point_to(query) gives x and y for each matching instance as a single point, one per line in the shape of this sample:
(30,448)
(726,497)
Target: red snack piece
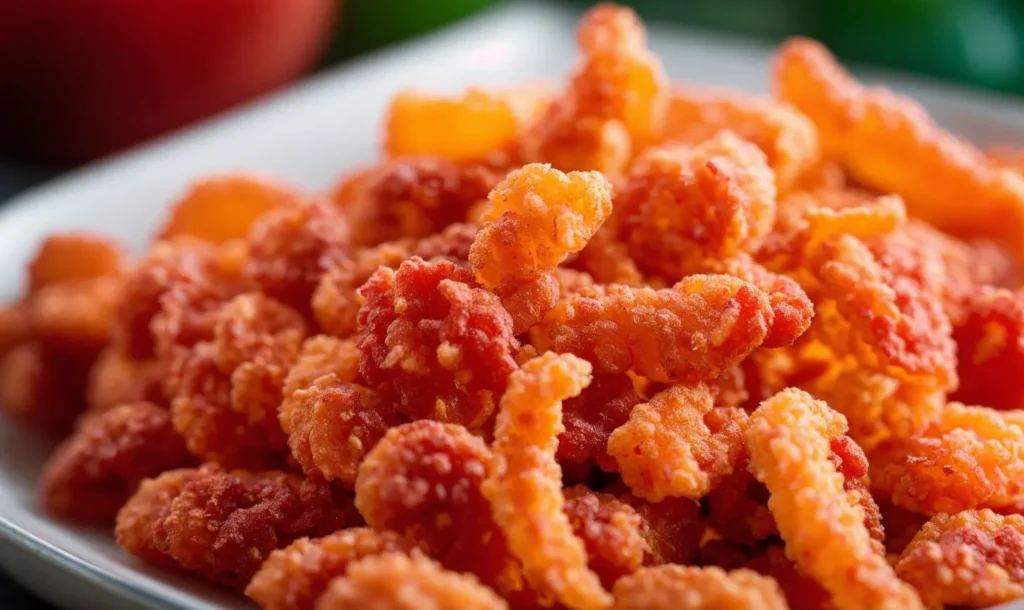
(94,472)
(610,531)
(989,344)
(116,379)
(590,418)
(437,346)
(152,501)
(673,529)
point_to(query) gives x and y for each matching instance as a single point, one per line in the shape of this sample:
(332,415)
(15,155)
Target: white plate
(309,135)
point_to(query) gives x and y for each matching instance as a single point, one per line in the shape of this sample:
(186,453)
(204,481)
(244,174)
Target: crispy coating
(889,143)
(788,138)
(965,458)
(591,417)
(370,583)
(989,344)
(419,196)
(972,559)
(525,488)
(687,204)
(149,504)
(94,472)
(332,424)
(294,577)
(223,207)
(42,388)
(222,525)
(463,128)
(65,257)
(74,317)
(674,587)
(116,379)
(738,509)
(672,529)
(610,530)
(677,444)
(319,356)
(538,216)
(433,343)
(789,440)
(696,329)
(291,247)
(607,259)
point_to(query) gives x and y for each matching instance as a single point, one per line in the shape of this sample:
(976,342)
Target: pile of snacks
(622,345)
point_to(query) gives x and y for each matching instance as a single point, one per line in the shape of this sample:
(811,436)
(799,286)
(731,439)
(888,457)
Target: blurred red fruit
(82,79)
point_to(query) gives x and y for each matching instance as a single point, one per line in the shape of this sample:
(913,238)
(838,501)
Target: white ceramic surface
(308,135)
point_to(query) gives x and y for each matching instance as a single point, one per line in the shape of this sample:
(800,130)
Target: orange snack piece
(788,138)
(687,204)
(890,143)
(434,344)
(94,472)
(222,525)
(116,379)
(789,440)
(972,559)
(674,587)
(370,583)
(223,207)
(525,489)
(65,257)
(464,128)
(42,388)
(294,577)
(697,329)
(676,444)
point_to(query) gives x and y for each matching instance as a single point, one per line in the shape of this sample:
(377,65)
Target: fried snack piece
(320,355)
(607,259)
(972,559)
(966,458)
(687,204)
(74,317)
(696,329)
(149,504)
(294,577)
(291,247)
(525,487)
(789,439)
(419,196)
(332,424)
(42,388)
(370,583)
(221,525)
(13,328)
(538,216)
(674,587)
(990,344)
(437,346)
(228,390)
(615,102)
(890,144)
(424,480)
(738,509)
(336,300)
(117,379)
(65,257)
(611,531)
(672,529)
(677,444)
(223,207)
(801,592)
(464,128)
(94,472)
(169,295)
(591,417)
(788,138)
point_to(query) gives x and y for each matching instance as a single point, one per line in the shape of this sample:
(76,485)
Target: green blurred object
(370,24)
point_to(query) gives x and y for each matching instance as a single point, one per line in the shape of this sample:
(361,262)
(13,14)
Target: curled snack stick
(396,581)
(789,440)
(787,137)
(463,128)
(676,444)
(94,471)
(294,577)
(675,587)
(223,207)
(687,204)
(965,458)
(990,343)
(538,216)
(972,559)
(889,143)
(64,257)
(525,488)
(696,329)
